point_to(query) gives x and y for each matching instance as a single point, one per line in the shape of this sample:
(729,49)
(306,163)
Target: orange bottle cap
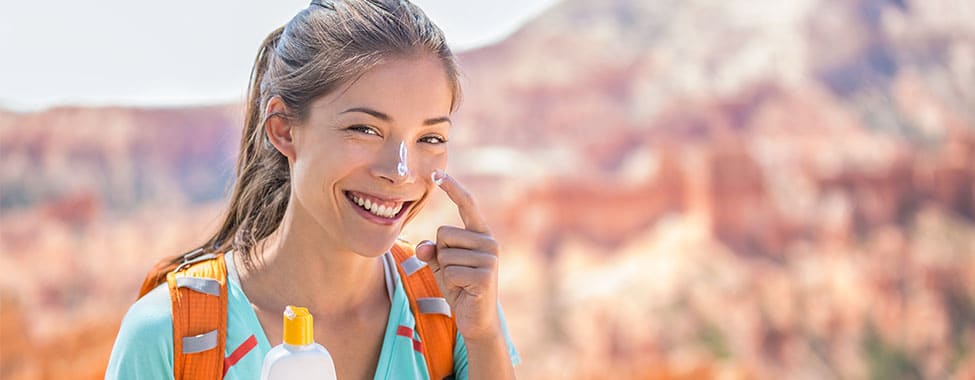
(299,327)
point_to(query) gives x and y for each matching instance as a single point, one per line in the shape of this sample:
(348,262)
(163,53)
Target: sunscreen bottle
(299,357)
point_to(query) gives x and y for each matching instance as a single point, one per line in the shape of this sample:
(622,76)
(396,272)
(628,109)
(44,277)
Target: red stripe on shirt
(239,353)
(417,346)
(408,332)
(405,331)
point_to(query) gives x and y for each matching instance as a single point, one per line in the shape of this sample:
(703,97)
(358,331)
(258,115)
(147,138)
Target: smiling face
(363,157)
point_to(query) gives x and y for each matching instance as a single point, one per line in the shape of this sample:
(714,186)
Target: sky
(177,52)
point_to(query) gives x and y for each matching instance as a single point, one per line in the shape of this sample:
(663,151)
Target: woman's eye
(433,140)
(364,129)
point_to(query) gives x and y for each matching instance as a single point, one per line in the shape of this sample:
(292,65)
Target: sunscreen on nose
(402,169)
(299,357)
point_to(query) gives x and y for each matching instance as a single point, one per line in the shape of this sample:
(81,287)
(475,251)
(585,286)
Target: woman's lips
(376,209)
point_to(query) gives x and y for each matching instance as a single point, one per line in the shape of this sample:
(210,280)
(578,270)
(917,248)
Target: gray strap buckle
(194,257)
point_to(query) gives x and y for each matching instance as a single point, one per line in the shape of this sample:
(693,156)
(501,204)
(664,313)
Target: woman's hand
(465,264)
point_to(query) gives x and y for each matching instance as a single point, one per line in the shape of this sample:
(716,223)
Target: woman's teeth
(377,209)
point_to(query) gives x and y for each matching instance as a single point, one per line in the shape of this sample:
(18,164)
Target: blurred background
(682,189)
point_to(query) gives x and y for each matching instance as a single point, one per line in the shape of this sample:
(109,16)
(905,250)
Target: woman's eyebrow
(386,118)
(369,111)
(437,120)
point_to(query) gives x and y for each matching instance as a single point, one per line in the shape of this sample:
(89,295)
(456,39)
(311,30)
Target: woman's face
(373,144)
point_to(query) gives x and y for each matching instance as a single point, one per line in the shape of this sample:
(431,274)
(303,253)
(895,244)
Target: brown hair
(324,46)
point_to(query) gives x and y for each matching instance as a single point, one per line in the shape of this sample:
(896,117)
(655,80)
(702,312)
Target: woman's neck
(299,265)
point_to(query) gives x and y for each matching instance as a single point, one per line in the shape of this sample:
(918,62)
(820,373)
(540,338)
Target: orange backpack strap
(157,275)
(434,321)
(198,289)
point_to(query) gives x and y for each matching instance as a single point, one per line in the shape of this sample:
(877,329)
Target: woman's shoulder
(144,345)
(151,314)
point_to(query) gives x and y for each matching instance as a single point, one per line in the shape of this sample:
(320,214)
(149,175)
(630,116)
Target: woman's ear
(279,128)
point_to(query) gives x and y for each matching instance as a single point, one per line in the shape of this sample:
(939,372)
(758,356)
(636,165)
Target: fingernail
(437,176)
(426,242)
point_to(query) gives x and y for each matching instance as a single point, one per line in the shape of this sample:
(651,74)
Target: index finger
(469,213)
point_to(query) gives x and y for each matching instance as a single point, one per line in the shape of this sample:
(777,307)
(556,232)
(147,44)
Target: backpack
(198,290)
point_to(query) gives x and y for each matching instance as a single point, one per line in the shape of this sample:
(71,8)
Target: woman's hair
(324,46)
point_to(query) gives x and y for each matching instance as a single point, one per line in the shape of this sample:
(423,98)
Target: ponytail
(260,195)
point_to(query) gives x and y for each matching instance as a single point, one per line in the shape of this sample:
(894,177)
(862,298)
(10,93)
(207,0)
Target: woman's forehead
(401,89)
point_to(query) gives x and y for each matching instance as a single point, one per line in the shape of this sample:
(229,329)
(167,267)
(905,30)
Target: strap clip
(195,256)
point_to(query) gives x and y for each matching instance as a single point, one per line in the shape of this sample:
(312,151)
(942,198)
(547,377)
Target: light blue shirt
(144,346)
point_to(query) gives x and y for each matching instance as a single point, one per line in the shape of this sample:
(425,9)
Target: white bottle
(299,357)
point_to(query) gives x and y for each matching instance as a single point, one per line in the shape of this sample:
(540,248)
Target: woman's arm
(489,359)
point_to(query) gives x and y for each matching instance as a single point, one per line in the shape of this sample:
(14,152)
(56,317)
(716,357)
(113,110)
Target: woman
(345,139)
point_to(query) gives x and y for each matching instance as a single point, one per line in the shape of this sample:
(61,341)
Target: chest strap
(434,322)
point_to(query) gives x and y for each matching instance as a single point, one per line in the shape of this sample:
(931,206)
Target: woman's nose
(393,164)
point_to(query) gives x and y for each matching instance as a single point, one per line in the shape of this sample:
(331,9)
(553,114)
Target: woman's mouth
(376,209)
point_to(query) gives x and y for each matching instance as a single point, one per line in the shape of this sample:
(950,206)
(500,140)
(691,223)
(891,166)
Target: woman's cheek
(424,170)
(430,163)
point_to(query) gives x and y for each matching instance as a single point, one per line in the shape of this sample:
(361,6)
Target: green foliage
(887,361)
